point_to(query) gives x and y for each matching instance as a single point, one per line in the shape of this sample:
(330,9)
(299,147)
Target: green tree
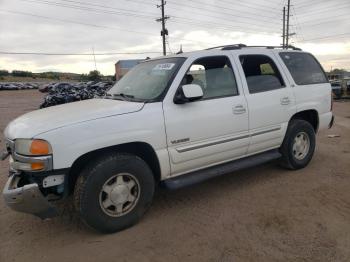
(22,73)
(4,73)
(94,75)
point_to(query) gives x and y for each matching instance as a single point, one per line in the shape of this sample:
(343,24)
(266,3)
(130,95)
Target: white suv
(170,121)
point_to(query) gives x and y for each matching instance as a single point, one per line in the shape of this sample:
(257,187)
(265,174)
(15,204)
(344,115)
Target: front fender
(71,142)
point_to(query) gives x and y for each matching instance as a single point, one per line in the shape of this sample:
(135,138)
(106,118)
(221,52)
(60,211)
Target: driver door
(214,129)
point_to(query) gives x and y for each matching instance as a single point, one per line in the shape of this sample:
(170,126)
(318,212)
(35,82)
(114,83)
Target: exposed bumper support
(27,199)
(331,123)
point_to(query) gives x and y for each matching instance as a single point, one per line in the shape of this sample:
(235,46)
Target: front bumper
(27,198)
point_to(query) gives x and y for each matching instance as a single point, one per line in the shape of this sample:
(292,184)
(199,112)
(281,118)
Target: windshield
(146,81)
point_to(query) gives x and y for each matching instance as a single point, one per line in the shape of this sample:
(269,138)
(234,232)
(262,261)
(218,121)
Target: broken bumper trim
(331,123)
(27,199)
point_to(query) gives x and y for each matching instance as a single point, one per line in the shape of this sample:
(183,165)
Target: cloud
(192,25)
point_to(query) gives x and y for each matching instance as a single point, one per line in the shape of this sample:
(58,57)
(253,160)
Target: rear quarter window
(304,68)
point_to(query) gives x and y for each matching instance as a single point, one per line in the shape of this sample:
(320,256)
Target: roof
(128,63)
(232,48)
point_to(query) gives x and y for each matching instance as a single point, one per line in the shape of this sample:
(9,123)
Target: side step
(215,171)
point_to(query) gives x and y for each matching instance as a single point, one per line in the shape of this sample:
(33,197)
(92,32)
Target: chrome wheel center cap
(119,194)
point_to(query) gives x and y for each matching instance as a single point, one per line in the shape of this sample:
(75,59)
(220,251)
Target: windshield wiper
(120,96)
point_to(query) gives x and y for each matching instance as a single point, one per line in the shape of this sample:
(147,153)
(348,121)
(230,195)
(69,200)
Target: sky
(126,29)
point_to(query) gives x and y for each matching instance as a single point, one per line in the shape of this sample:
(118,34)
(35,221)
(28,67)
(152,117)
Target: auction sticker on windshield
(165,66)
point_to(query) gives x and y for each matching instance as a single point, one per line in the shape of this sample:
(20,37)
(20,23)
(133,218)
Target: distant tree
(22,73)
(94,75)
(4,73)
(83,77)
(338,71)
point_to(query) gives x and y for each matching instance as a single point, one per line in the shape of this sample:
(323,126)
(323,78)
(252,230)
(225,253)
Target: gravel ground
(260,214)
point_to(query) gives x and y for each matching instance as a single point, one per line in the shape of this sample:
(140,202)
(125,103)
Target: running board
(215,171)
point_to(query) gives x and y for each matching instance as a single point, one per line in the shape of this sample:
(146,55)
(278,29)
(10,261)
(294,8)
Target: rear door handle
(239,109)
(285,101)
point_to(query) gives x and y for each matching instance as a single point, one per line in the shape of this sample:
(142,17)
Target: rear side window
(304,68)
(261,73)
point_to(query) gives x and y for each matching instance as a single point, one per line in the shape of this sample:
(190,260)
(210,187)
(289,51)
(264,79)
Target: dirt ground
(260,214)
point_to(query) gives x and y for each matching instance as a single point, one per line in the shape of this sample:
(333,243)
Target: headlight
(32,147)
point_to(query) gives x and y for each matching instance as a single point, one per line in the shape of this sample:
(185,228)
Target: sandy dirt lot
(260,214)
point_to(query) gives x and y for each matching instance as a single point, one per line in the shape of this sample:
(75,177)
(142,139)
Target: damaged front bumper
(27,198)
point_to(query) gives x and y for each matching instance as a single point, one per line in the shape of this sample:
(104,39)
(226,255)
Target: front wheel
(299,144)
(114,192)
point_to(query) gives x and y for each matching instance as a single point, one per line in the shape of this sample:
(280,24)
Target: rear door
(270,100)
(310,84)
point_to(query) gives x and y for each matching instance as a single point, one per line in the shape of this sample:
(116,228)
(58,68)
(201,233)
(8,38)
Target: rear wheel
(299,144)
(114,192)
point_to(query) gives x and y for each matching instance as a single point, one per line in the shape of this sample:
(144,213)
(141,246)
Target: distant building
(123,66)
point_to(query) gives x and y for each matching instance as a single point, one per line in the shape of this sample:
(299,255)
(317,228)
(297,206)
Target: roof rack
(240,46)
(227,47)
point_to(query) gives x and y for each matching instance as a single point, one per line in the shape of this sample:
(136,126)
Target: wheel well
(140,149)
(310,116)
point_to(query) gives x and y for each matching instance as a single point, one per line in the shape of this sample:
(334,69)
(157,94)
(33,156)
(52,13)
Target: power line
(260,7)
(297,27)
(327,10)
(312,22)
(134,15)
(322,19)
(219,7)
(96,26)
(78,7)
(224,13)
(327,37)
(314,4)
(77,54)
(105,6)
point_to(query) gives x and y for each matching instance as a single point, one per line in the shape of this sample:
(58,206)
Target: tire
(293,155)
(90,195)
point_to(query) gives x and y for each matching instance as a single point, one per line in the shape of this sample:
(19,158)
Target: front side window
(261,73)
(147,81)
(304,68)
(214,75)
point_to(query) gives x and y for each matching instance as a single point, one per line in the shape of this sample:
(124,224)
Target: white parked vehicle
(174,121)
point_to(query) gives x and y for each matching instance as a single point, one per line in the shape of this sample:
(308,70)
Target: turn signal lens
(40,147)
(37,166)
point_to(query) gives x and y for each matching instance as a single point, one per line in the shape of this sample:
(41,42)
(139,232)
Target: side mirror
(188,93)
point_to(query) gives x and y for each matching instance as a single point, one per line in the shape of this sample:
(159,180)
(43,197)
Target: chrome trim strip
(194,147)
(47,160)
(189,148)
(266,131)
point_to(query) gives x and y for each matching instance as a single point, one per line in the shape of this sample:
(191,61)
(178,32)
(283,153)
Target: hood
(44,120)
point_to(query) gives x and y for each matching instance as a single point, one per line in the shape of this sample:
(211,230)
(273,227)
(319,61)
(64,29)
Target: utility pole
(288,14)
(284,28)
(164,31)
(93,53)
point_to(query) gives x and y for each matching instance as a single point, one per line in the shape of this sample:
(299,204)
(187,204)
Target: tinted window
(304,68)
(261,73)
(214,75)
